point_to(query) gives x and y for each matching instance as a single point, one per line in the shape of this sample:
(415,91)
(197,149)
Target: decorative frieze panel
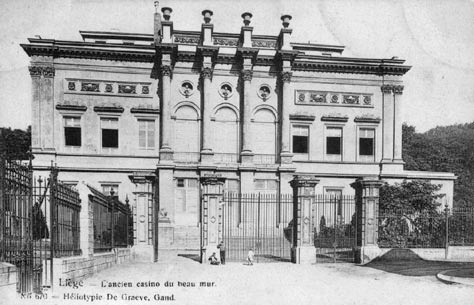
(226,42)
(99,87)
(265,44)
(127,89)
(310,97)
(186,39)
(91,87)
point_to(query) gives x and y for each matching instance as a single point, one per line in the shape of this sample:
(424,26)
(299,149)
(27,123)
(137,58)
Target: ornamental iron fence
(111,222)
(39,220)
(429,228)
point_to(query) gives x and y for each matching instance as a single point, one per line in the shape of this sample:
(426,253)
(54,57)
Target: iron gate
(335,228)
(257,221)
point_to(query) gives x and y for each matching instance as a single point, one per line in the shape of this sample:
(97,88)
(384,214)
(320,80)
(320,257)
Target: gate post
(303,250)
(211,214)
(367,209)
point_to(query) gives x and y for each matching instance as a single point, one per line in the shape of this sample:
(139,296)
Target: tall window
(146,134)
(334,143)
(72,131)
(110,136)
(300,135)
(366,144)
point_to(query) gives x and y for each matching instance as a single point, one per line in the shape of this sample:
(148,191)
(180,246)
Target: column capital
(304,181)
(45,71)
(387,89)
(246,74)
(398,89)
(206,72)
(286,76)
(366,182)
(166,70)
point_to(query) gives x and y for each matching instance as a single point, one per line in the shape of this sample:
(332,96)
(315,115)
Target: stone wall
(78,268)
(8,278)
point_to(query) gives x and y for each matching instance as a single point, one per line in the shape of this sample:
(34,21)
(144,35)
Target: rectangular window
(72,131)
(108,188)
(300,135)
(146,134)
(110,136)
(334,141)
(366,144)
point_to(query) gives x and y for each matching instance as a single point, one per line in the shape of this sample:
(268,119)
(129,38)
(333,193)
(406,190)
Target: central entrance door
(256,221)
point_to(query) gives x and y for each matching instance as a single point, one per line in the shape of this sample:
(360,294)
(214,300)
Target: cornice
(145,110)
(71,107)
(89,50)
(367,119)
(302,117)
(350,65)
(334,118)
(108,109)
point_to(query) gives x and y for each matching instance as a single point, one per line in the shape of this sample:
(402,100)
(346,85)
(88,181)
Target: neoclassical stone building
(150,114)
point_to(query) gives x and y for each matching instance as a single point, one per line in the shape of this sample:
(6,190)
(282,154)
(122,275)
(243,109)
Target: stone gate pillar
(367,209)
(211,214)
(303,250)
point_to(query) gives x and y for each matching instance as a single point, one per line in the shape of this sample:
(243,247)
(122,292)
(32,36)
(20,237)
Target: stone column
(247,155)
(303,250)
(287,95)
(367,209)
(166,153)
(211,214)
(387,101)
(207,154)
(397,144)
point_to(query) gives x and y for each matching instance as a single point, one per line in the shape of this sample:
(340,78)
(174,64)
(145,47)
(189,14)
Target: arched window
(186,132)
(226,135)
(264,136)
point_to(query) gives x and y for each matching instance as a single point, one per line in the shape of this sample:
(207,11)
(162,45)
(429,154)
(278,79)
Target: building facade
(149,115)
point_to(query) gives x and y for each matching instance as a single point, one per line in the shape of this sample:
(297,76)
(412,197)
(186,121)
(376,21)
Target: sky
(435,37)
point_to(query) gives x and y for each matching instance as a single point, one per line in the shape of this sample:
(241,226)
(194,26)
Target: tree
(410,215)
(444,149)
(17,143)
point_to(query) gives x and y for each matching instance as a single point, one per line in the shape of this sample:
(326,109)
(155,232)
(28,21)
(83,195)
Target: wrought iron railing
(65,217)
(111,222)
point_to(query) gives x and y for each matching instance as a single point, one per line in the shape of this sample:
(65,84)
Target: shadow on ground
(194,257)
(405,262)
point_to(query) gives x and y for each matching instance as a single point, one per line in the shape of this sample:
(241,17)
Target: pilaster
(211,214)
(387,123)
(367,208)
(43,106)
(397,144)
(303,250)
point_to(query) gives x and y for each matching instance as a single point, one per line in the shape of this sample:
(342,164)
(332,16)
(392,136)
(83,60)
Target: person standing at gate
(250,257)
(221,248)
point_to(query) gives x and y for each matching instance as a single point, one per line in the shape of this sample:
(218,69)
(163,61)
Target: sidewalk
(270,283)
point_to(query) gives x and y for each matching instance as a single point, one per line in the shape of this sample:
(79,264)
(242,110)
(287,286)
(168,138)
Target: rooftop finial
(157,4)
(166,13)
(286,20)
(247,17)
(207,14)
